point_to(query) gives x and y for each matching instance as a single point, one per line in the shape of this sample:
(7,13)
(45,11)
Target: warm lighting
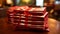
(0,5)
(9,1)
(27,1)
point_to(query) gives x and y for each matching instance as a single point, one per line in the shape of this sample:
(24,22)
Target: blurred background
(53,6)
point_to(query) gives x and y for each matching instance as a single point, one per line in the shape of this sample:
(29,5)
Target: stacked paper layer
(28,17)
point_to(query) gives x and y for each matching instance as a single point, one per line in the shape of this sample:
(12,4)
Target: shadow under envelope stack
(28,18)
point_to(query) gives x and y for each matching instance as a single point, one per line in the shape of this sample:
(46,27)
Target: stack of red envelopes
(25,17)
